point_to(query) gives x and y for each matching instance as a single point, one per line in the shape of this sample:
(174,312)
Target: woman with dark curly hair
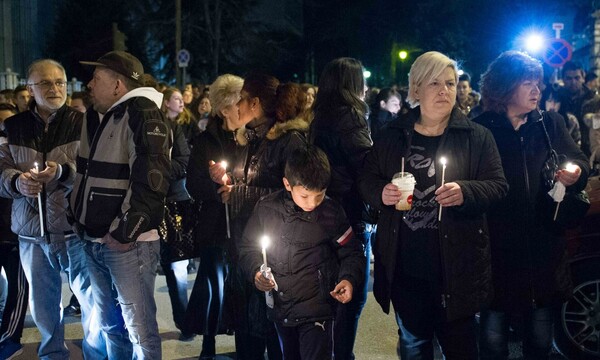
(269,134)
(529,264)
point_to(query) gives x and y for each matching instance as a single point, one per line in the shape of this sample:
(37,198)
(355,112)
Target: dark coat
(257,169)
(180,156)
(214,144)
(528,253)
(310,253)
(378,119)
(259,165)
(344,136)
(475,165)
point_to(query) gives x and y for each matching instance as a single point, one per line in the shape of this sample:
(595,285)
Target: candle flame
(224,164)
(265,241)
(443,160)
(571,167)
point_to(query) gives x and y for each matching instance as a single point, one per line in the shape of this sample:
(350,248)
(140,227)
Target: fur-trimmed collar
(276,131)
(298,124)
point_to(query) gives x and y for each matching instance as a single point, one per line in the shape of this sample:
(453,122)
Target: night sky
(472,32)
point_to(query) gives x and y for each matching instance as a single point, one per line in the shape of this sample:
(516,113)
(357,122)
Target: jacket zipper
(44,158)
(103,194)
(92,149)
(527,240)
(444,295)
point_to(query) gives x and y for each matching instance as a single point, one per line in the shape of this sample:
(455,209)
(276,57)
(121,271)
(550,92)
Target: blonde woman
(436,273)
(215,144)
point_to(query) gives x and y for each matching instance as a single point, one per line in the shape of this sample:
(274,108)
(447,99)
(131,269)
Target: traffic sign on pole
(183,58)
(559,51)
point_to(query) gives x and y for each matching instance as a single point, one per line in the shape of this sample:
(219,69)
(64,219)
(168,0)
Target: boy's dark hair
(84,96)
(308,166)
(20,88)
(465,77)
(9,107)
(572,66)
(8,94)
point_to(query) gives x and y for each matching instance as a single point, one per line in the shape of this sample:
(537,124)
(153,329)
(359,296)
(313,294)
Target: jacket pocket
(104,205)
(326,284)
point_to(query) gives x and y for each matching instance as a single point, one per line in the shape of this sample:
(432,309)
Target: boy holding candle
(313,256)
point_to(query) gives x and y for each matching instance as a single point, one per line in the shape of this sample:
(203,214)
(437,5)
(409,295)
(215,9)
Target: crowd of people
(110,184)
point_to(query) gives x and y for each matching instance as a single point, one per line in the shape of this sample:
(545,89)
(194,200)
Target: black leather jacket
(345,138)
(259,167)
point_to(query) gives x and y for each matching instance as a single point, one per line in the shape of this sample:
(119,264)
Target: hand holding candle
(39,197)
(569,175)
(566,177)
(265,241)
(443,162)
(224,166)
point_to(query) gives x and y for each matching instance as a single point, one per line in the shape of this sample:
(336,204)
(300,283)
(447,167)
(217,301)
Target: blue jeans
(537,334)
(42,264)
(127,277)
(346,319)
(420,317)
(93,343)
(176,276)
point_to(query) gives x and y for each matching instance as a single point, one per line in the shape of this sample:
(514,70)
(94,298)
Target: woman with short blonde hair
(432,261)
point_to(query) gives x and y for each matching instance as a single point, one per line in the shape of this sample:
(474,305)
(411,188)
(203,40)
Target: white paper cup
(406,184)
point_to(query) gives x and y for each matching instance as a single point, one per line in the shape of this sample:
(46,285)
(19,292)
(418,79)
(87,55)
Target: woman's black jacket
(473,163)
(528,252)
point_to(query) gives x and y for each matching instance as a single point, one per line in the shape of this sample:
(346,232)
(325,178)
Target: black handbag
(572,209)
(176,232)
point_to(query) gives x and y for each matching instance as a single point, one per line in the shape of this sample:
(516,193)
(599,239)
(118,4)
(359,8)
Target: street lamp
(403,54)
(534,42)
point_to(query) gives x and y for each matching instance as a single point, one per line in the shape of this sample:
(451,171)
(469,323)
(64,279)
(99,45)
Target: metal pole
(177,39)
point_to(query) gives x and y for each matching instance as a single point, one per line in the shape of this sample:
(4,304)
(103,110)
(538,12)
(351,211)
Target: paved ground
(376,340)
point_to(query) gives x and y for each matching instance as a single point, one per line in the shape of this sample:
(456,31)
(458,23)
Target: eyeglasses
(47,85)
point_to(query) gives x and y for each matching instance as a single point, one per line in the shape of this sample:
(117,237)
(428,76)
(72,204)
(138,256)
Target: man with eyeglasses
(37,169)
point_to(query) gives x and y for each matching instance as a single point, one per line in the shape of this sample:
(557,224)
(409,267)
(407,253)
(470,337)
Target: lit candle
(264,243)
(224,166)
(39,197)
(571,167)
(443,161)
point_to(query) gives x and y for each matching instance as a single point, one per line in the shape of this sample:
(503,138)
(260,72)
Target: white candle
(39,197)
(402,169)
(224,166)
(443,161)
(570,167)
(264,243)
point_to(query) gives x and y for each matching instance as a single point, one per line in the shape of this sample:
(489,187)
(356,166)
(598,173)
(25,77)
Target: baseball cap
(121,62)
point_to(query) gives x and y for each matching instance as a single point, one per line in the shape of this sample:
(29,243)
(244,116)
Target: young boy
(314,257)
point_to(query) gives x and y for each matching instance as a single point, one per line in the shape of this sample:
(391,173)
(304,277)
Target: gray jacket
(31,140)
(123,169)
